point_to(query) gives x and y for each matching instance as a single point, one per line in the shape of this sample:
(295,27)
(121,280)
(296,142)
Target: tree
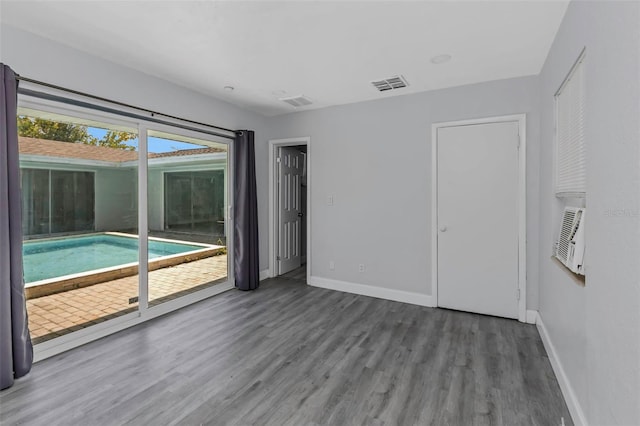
(52,130)
(114,139)
(67,132)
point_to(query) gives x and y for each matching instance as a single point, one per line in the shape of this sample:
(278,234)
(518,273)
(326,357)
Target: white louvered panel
(570,248)
(566,231)
(297,101)
(395,82)
(571,176)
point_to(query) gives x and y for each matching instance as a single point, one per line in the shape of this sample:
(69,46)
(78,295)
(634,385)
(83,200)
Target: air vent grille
(570,248)
(567,231)
(391,83)
(297,101)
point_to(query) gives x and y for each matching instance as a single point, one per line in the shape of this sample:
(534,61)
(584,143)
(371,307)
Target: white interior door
(291,164)
(477,236)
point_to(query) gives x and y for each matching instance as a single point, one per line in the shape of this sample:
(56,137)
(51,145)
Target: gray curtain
(16,351)
(245,249)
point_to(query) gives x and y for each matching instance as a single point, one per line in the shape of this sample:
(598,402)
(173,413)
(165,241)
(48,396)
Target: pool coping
(96,276)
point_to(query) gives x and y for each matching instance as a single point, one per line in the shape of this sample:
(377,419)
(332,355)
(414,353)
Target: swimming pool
(58,257)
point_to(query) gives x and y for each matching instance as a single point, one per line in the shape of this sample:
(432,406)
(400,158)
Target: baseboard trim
(573,405)
(264,274)
(372,291)
(532,316)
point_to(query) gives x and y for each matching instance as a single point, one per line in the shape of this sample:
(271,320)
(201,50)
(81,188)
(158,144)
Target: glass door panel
(35,201)
(187,195)
(72,201)
(79,205)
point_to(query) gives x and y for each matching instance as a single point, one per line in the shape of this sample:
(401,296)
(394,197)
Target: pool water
(72,255)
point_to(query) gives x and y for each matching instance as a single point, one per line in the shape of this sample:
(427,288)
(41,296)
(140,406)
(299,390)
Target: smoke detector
(297,101)
(390,83)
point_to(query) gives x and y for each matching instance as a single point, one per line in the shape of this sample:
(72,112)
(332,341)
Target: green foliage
(114,139)
(68,132)
(52,130)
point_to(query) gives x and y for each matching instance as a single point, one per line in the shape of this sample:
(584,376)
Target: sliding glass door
(187,204)
(36,218)
(89,183)
(194,202)
(72,201)
(79,217)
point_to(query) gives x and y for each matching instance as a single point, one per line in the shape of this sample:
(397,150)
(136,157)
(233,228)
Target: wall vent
(397,82)
(297,101)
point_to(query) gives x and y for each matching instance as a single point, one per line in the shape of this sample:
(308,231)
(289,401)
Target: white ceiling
(328,51)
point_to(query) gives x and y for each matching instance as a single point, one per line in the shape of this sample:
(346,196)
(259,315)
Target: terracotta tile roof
(184,152)
(34,146)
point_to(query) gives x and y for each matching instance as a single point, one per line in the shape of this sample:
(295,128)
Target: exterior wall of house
(116,199)
(116,204)
(116,193)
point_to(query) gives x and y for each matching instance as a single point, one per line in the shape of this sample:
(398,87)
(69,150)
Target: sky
(156,145)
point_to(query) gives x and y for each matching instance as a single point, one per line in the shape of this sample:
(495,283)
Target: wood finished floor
(290,354)
(297,274)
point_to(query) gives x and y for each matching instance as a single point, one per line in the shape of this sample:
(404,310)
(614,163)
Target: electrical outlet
(330,200)
(361,267)
(332,265)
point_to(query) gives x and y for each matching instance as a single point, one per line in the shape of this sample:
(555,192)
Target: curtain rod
(99,98)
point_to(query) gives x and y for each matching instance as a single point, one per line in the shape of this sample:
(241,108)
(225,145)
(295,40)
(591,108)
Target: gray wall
(595,329)
(375,159)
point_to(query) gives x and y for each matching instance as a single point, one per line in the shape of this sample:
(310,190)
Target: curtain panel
(245,208)
(16,351)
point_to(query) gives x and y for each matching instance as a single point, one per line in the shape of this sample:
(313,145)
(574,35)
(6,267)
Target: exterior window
(571,173)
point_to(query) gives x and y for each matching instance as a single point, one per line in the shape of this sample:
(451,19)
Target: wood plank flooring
(297,274)
(290,354)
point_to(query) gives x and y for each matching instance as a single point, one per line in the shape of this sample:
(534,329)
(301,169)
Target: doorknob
(443,229)
(300,215)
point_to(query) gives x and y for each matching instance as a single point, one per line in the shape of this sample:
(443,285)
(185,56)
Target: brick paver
(58,314)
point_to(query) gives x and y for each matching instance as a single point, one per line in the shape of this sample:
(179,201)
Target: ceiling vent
(397,82)
(297,101)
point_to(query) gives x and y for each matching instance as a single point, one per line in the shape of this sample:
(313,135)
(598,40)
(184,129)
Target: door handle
(300,214)
(443,229)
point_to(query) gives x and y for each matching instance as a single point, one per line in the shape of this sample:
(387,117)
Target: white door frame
(522,203)
(274,144)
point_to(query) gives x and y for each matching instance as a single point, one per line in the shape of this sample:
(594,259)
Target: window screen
(571,176)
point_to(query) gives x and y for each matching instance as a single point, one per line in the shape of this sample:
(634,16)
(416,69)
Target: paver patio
(62,313)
